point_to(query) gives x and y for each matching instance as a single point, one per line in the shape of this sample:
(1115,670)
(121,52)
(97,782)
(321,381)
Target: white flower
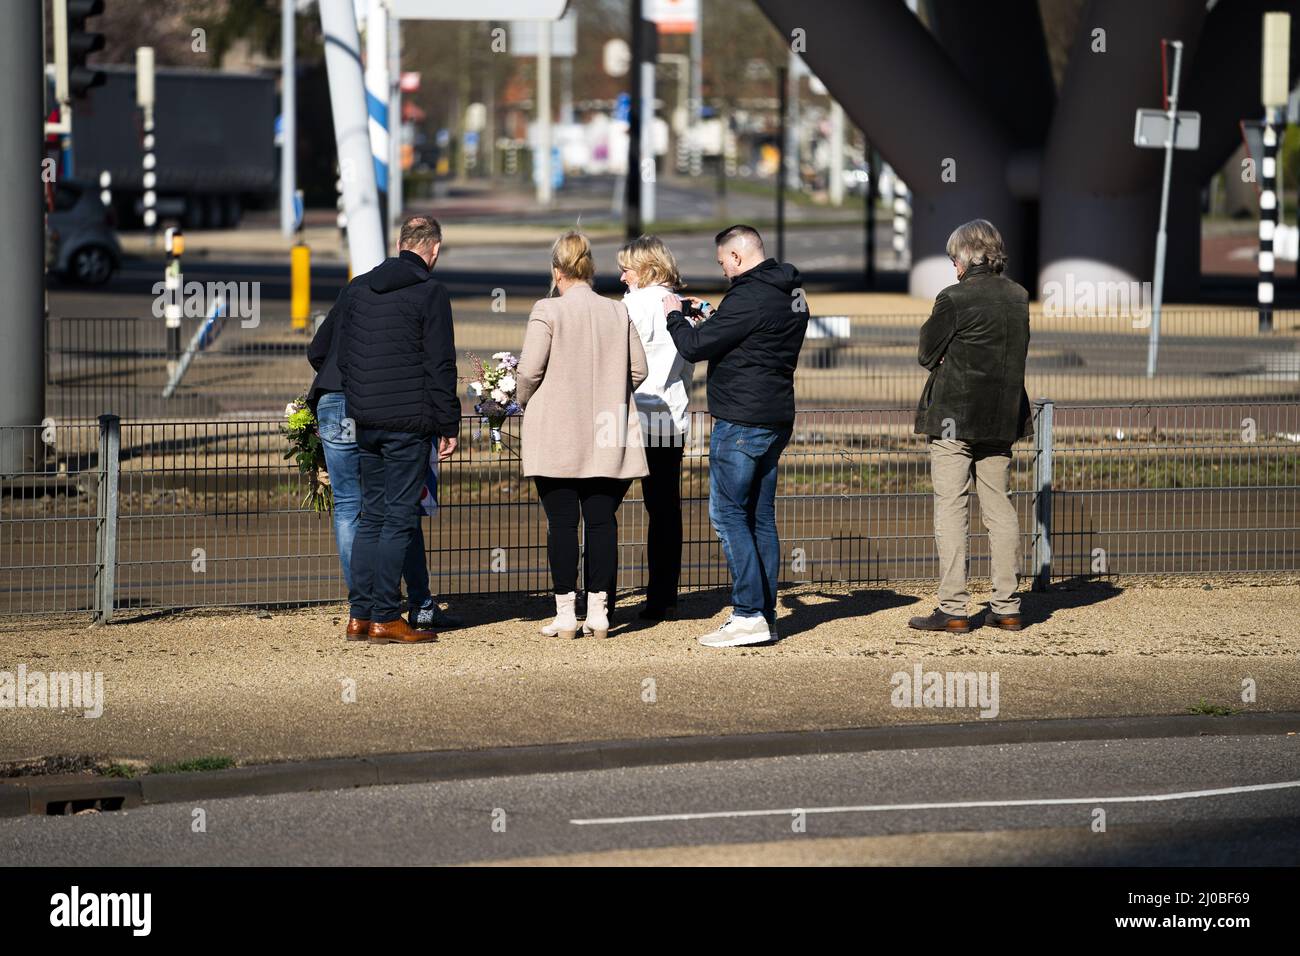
(289,409)
(476,389)
(500,355)
(499,396)
(507,384)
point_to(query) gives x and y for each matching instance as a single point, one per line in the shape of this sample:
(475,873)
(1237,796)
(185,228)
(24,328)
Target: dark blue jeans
(343,463)
(393,469)
(742,510)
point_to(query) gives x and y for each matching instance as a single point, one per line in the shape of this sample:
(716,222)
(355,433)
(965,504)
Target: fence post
(110,445)
(1043,450)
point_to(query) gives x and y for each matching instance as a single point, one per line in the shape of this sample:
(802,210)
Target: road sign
(479,10)
(524,36)
(1151,129)
(673,16)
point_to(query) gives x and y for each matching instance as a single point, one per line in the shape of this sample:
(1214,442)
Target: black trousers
(662,491)
(393,467)
(597,501)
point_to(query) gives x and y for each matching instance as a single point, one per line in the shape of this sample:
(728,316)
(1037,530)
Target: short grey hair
(978,242)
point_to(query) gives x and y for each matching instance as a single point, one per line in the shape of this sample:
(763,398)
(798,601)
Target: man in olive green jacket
(973,408)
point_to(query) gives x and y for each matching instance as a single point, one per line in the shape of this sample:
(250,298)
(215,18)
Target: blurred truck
(214,138)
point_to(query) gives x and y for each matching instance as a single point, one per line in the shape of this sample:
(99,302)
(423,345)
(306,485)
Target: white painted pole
(351,134)
(377,91)
(647,139)
(697,91)
(836,171)
(288,118)
(542,163)
(1158,286)
(396,201)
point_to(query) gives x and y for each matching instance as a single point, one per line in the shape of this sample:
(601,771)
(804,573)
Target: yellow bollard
(300,295)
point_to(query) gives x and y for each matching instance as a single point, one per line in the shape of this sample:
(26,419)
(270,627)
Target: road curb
(35,795)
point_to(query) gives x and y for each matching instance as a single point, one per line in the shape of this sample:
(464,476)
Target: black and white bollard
(172,280)
(1268,212)
(144,97)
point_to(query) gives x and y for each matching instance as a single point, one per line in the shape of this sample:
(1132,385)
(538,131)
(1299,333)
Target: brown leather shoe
(358,629)
(398,632)
(1006,622)
(939,621)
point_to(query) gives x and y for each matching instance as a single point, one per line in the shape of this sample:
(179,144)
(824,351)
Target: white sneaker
(739,632)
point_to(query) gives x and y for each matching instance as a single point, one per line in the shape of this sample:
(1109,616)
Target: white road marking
(962,805)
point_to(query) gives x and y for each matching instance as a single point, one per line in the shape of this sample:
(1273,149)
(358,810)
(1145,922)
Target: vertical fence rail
(110,446)
(1043,466)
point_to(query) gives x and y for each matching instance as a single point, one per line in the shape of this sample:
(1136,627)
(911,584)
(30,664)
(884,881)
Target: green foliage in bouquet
(307,450)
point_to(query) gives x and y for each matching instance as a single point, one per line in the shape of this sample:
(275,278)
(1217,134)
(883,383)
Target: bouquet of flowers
(494,387)
(306,449)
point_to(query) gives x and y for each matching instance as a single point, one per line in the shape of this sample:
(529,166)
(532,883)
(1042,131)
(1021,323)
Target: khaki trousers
(954,464)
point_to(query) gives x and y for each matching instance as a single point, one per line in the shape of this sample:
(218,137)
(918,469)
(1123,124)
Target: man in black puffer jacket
(752,345)
(397,361)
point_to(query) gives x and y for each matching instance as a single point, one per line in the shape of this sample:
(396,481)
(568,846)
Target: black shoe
(1005,622)
(433,618)
(658,612)
(939,621)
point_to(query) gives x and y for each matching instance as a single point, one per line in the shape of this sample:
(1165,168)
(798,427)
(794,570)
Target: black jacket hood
(398,272)
(780,275)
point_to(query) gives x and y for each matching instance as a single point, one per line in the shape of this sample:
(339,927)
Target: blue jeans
(343,464)
(742,510)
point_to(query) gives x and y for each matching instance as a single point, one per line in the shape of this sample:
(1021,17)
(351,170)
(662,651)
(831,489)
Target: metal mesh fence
(209,513)
(120,366)
(1177,489)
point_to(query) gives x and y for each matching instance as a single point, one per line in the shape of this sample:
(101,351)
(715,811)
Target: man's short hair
(419,231)
(746,234)
(978,242)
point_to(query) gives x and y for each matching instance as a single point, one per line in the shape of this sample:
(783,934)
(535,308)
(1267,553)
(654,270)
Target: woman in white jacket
(650,272)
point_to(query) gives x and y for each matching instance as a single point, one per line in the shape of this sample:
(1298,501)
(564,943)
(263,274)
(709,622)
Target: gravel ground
(242,684)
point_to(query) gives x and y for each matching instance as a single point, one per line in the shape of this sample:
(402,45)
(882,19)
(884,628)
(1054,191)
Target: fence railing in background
(119,365)
(208,513)
(1176,489)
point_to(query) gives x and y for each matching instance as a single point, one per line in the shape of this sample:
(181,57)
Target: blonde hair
(649,259)
(571,256)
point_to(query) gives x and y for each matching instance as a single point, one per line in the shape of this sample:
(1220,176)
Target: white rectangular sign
(524,35)
(479,10)
(1151,129)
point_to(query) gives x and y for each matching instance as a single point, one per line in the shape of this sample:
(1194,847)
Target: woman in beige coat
(582,445)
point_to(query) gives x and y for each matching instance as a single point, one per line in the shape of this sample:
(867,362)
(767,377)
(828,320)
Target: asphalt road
(1193,801)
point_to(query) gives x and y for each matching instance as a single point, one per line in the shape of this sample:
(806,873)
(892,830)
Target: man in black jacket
(973,408)
(752,345)
(397,362)
(337,433)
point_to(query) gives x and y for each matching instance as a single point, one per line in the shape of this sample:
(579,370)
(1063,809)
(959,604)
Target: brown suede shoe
(398,632)
(358,629)
(1006,622)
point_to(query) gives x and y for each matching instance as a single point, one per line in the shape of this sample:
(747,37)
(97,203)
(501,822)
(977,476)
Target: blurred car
(80,229)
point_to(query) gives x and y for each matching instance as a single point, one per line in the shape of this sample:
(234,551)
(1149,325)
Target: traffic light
(82,43)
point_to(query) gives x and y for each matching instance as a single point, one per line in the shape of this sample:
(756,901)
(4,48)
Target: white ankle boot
(566,622)
(597,619)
